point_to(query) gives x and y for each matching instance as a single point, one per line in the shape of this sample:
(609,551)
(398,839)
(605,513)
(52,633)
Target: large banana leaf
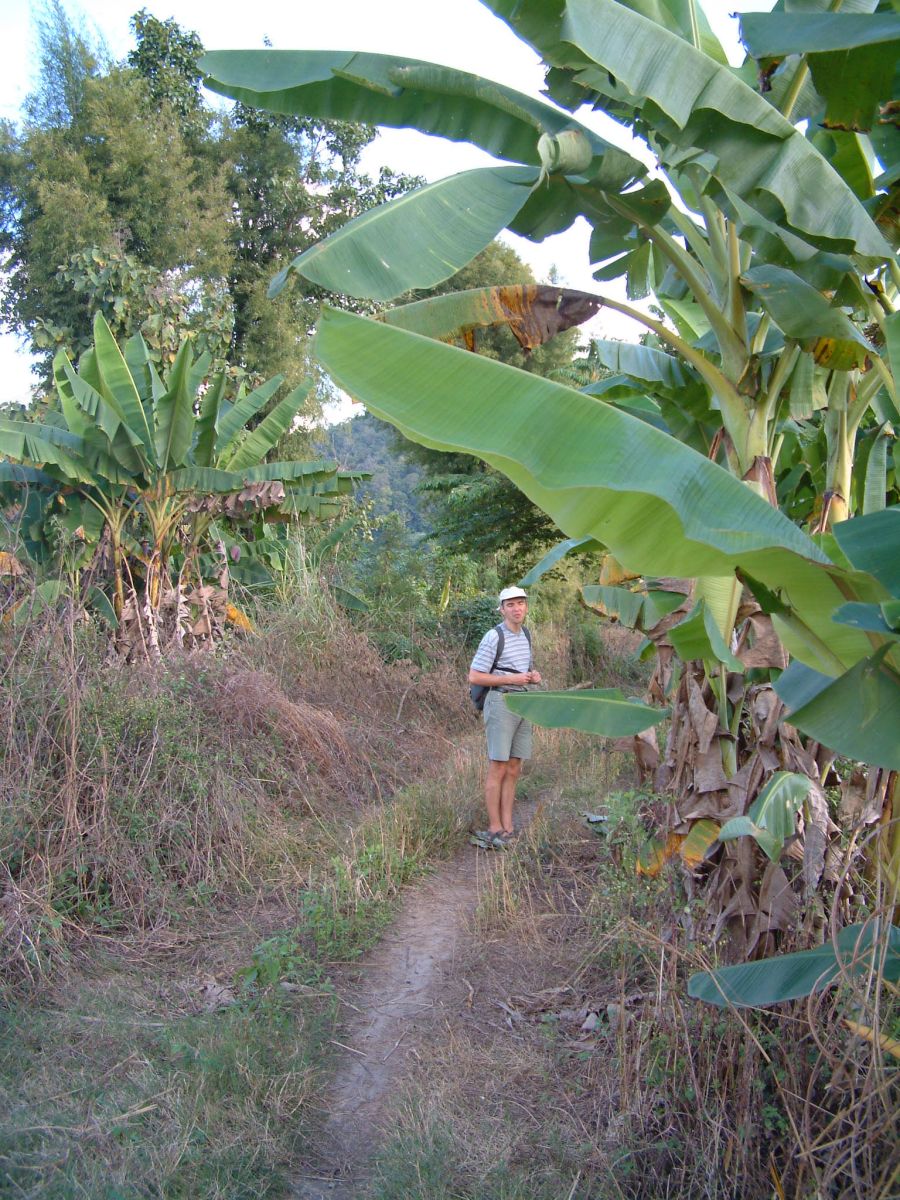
(417,240)
(821,707)
(701,109)
(305,473)
(852,56)
(659,507)
(45,445)
(13,472)
(89,414)
(117,385)
(858,951)
(382,89)
(644,363)
(617,603)
(175,412)
(872,544)
(605,712)
(803,313)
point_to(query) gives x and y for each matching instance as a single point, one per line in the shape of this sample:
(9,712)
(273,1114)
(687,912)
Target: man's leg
(508,793)
(493,792)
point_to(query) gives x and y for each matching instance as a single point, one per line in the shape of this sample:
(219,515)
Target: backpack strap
(501,642)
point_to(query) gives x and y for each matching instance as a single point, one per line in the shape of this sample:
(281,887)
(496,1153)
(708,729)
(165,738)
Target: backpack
(478,691)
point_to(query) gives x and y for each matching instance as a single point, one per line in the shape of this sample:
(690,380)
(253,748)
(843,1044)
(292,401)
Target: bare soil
(402,995)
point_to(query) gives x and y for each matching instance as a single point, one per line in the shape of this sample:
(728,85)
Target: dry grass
(135,797)
(192,1064)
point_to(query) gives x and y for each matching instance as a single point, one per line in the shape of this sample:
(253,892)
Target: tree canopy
(123,190)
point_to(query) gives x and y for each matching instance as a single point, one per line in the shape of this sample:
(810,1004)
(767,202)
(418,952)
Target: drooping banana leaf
(870,617)
(382,89)
(596,471)
(700,110)
(46,446)
(872,544)
(857,951)
(820,706)
(644,363)
(852,57)
(305,473)
(13,472)
(804,314)
(605,712)
(617,603)
(772,817)
(416,240)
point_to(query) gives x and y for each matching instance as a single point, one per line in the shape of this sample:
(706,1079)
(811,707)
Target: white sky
(461,34)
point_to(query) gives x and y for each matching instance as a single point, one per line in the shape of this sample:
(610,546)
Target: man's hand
(529,677)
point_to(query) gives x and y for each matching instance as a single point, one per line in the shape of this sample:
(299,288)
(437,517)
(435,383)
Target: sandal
(509,835)
(484,839)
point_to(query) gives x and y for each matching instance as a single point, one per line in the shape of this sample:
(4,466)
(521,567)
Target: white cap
(512,593)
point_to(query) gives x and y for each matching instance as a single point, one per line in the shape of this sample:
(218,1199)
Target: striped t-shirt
(516,654)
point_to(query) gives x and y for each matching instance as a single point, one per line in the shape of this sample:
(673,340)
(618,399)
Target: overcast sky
(461,34)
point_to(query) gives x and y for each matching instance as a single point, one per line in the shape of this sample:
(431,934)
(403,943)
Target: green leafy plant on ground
(165,478)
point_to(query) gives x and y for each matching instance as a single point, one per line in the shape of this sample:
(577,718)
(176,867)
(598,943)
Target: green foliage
(857,953)
(67,59)
(125,184)
(470,619)
(155,461)
(771,818)
(367,444)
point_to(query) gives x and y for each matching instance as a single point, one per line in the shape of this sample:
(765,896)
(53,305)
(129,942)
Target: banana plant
(140,466)
(768,252)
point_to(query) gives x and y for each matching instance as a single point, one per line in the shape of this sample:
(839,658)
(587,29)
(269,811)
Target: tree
(124,192)
(754,281)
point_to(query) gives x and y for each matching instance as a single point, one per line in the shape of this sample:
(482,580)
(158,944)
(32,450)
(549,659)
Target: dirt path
(398,996)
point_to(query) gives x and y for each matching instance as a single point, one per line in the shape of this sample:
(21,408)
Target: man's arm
(499,678)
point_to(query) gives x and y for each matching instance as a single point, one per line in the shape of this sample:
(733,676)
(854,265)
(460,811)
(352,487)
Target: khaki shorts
(508,736)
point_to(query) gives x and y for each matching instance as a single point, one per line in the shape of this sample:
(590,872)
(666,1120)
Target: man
(508,736)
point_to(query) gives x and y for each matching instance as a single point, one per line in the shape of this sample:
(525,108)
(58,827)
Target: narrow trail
(398,996)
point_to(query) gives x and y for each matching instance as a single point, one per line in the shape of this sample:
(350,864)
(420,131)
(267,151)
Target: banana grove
(139,493)
(738,465)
